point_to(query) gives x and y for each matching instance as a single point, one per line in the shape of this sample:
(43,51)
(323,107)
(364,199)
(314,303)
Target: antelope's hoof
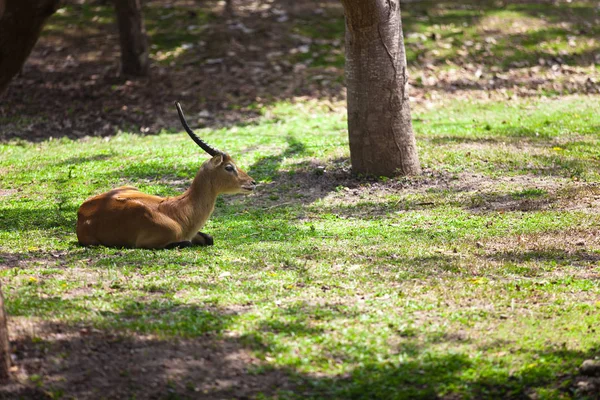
(204,239)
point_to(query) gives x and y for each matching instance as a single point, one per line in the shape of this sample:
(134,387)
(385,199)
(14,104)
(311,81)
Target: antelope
(126,217)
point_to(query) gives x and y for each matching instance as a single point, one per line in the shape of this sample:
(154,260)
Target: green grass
(493,34)
(560,136)
(168,28)
(511,35)
(516,34)
(440,285)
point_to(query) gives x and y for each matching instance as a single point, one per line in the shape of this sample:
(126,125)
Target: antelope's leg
(202,239)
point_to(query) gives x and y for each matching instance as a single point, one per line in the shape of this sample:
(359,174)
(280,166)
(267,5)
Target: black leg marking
(208,240)
(179,245)
(203,239)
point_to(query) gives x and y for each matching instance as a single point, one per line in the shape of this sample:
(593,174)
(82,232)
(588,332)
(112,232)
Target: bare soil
(71,85)
(86,363)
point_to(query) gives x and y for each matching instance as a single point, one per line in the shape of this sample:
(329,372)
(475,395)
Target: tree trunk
(132,34)
(21,23)
(4,348)
(229,9)
(382,141)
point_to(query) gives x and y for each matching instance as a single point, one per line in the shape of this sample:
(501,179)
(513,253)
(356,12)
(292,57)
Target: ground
(477,279)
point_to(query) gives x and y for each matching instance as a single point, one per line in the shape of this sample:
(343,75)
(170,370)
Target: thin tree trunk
(229,9)
(21,23)
(382,141)
(132,34)
(4,344)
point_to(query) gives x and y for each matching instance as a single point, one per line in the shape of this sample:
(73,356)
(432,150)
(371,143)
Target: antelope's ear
(217,160)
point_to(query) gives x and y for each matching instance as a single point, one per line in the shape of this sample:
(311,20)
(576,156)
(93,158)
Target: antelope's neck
(193,208)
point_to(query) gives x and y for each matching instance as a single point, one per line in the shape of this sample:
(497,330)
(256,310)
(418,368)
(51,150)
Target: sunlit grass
(357,288)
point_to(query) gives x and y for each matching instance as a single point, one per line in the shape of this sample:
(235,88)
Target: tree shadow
(567,167)
(305,183)
(86,362)
(22,219)
(152,346)
(90,363)
(440,33)
(551,254)
(267,167)
(512,134)
(120,354)
(193,46)
(277,52)
(75,160)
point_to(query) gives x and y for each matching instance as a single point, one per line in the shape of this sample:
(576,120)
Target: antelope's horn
(210,150)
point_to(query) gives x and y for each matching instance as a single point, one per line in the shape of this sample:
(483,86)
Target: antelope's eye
(229,168)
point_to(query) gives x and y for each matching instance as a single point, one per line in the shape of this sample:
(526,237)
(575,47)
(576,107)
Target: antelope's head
(225,175)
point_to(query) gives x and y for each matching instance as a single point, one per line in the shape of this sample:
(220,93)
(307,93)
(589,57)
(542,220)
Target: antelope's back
(115,218)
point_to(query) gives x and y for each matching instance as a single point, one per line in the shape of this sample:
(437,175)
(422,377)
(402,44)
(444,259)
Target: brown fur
(126,217)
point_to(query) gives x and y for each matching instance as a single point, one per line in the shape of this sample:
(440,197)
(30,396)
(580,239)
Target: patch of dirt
(581,197)
(86,363)
(21,260)
(64,90)
(334,181)
(7,192)
(480,82)
(572,241)
(479,193)
(579,249)
(586,386)
(235,66)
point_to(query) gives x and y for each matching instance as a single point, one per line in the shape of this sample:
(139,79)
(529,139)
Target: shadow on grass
(85,362)
(72,161)
(558,255)
(515,135)
(449,16)
(227,66)
(507,134)
(305,184)
(291,194)
(465,197)
(268,167)
(22,219)
(88,363)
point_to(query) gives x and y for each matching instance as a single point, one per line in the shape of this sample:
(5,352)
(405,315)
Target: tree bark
(4,344)
(382,141)
(132,34)
(21,23)
(229,9)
